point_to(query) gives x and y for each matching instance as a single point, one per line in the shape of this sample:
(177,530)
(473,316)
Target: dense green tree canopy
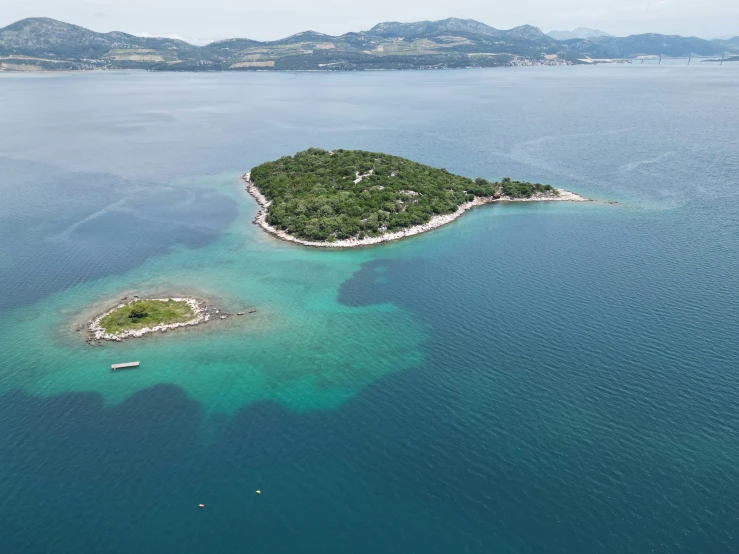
(138,312)
(318,195)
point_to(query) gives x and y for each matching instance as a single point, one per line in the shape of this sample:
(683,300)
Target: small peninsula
(147,315)
(346,198)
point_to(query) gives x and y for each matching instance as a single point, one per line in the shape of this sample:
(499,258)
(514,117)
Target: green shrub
(138,312)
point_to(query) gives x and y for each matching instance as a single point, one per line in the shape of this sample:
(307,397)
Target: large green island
(345,198)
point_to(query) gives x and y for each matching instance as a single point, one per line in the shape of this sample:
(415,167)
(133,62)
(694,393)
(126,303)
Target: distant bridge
(689,57)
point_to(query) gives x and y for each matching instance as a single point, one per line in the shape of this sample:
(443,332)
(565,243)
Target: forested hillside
(323,196)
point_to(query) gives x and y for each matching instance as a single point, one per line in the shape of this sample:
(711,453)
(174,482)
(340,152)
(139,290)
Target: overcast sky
(206,20)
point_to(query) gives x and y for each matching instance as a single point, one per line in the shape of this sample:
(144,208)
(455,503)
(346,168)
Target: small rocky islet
(136,317)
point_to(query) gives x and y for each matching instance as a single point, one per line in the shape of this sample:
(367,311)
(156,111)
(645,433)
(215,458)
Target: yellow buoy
(259,492)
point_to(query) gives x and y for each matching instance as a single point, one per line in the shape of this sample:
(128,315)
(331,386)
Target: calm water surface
(529,379)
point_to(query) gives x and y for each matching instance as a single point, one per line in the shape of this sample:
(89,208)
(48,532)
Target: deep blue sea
(532,378)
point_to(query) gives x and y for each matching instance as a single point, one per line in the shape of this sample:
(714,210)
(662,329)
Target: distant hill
(526,32)
(580,32)
(42,35)
(451,26)
(38,44)
(646,44)
(454,27)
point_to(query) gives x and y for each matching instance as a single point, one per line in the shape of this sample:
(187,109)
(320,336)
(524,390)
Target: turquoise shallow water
(530,378)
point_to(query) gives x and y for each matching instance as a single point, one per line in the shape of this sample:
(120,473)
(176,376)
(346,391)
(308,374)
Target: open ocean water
(532,378)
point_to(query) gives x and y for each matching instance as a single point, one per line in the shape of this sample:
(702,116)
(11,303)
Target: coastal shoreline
(98,333)
(435,222)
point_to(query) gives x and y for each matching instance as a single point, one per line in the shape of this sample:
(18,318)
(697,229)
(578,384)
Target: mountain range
(37,44)
(580,32)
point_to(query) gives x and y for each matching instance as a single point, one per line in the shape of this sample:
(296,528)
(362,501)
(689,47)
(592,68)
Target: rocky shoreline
(198,307)
(436,221)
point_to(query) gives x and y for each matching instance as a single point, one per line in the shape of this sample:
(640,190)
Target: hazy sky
(205,20)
